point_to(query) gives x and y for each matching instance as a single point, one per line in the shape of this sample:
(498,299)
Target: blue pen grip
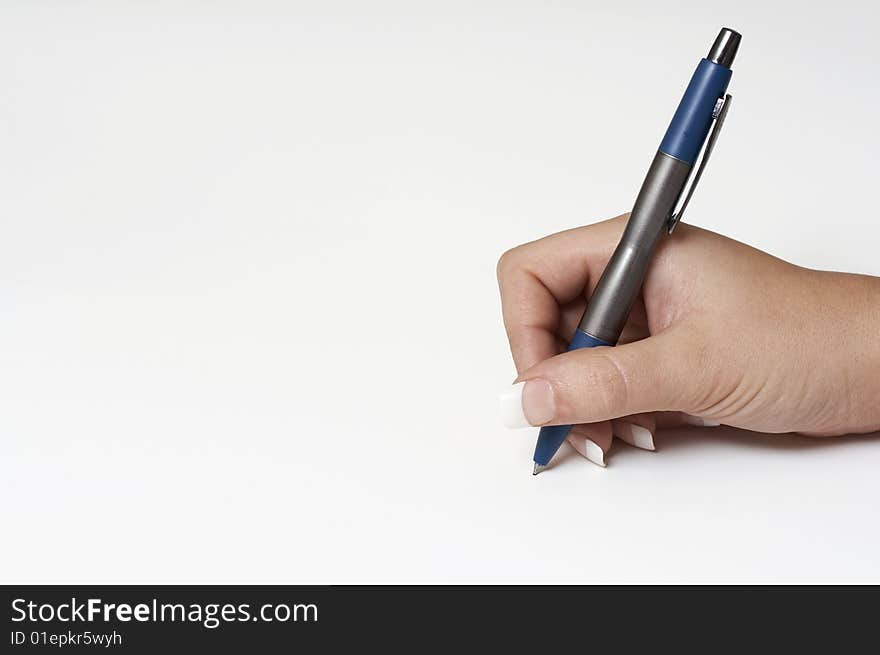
(693,118)
(551,437)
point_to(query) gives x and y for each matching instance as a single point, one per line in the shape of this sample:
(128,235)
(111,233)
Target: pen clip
(718,114)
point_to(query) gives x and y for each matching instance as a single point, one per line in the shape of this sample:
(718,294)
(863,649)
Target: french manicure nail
(510,404)
(527,403)
(642,437)
(635,435)
(703,422)
(589,449)
(593,453)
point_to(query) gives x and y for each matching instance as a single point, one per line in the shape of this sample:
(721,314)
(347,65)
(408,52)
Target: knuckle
(613,387)
(507,262)
(691,389)
(600,390)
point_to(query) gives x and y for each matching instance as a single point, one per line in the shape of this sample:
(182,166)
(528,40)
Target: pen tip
(538,468)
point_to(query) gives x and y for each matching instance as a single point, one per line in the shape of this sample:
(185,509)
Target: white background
(250,328)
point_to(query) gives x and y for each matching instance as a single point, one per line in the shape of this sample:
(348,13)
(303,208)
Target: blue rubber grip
(550,437)
(693,118)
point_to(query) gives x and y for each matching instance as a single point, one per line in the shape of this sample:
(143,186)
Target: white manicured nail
(588,449)
(635,435)
(593,452)
(510,404)
(527,403)
(642,437)
(703,422)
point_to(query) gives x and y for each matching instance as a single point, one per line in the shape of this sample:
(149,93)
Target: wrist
(852,319)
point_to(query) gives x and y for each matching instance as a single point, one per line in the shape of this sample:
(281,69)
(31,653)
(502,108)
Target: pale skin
(722,332)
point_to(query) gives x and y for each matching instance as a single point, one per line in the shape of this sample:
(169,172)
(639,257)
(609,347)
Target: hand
(721,333)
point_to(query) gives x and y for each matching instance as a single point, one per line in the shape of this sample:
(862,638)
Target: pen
(702,108)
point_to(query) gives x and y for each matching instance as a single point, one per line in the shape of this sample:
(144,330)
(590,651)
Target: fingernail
(635,435)
(642,437)
(704,422)
(527,403)
(589,449)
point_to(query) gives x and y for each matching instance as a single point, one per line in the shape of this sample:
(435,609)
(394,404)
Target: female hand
(721,333)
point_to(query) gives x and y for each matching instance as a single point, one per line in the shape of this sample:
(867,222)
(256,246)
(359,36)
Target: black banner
(268,619)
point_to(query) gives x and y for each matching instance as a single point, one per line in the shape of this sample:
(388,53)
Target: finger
(597,384)
(666,420)
(636,430)
(591,441)
(537,278)
(636,327)
(570,316)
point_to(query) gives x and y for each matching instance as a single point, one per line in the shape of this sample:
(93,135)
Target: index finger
(537,278)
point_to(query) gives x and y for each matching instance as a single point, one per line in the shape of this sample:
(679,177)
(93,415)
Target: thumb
(597,384)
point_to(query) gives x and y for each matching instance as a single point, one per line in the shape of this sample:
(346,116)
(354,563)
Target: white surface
(250,328)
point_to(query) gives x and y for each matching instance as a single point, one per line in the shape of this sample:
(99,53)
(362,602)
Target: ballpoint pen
(705,103)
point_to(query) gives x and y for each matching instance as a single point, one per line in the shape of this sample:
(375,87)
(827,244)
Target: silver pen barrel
(619,285)
(652,214)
